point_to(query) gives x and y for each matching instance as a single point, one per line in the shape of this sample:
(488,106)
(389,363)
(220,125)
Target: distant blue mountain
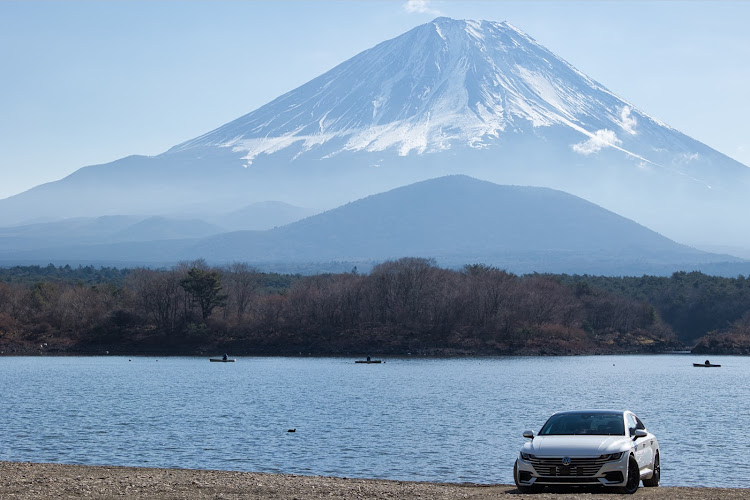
(455,219)
(102,230)
(262,215)
(458,219)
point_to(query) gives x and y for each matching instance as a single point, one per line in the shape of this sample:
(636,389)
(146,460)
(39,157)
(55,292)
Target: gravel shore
(34,481)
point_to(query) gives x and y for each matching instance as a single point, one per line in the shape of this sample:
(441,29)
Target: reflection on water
(456,420)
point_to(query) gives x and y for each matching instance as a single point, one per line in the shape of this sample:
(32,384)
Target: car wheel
(521,488)
(634,477)
(656,477)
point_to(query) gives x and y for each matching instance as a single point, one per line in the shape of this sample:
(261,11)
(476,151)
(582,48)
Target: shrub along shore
(406,306)
(32,481)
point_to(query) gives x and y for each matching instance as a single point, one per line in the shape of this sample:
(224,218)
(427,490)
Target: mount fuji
(451,96)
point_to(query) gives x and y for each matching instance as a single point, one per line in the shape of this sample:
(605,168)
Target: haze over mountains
(458,220)
(448,97)
(455,219)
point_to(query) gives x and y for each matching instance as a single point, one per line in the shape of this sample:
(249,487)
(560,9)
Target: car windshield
(607,424)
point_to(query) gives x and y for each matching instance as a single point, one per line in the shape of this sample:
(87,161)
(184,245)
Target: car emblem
(566,461)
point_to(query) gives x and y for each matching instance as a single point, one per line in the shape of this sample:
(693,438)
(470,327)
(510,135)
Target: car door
(641,445)
(648,443)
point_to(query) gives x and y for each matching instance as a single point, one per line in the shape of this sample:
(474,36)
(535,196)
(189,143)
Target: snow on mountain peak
(445,83)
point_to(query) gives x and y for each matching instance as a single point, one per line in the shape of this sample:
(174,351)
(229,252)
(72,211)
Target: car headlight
(527,456)
(612,456)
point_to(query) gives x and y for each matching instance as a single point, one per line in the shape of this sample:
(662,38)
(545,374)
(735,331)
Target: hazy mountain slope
(454,216)
(262,215)
(78,230)
(162,228)
(112,229)
(101,230)
(456,219)
(472,97)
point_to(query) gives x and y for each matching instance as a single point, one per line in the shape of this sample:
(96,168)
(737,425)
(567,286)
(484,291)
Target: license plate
(563,471)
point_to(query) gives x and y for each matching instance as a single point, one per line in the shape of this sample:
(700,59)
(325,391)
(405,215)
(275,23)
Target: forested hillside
(407,306)
(693,304)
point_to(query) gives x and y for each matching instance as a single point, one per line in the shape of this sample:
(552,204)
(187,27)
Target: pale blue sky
(89,82)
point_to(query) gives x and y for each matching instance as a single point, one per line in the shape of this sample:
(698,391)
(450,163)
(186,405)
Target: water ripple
(454,420)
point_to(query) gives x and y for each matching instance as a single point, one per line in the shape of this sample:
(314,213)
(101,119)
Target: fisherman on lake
(225,357)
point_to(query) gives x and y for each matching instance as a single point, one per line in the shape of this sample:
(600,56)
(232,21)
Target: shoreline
(26,480)
(38,353)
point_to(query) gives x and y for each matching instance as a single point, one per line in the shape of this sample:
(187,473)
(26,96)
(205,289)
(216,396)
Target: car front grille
(579,467)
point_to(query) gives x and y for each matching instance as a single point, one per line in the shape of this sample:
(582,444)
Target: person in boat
(707,363)
(225,357)
(368,358)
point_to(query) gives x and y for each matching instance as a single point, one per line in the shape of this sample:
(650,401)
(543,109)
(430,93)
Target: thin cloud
(688,157)
(601,139)
(628,122)
(420,7)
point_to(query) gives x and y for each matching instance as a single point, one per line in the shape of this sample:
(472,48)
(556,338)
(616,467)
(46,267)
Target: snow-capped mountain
(443,84)
(450,96)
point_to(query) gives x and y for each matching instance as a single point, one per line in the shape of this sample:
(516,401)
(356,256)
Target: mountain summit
(448,97)
(443,83)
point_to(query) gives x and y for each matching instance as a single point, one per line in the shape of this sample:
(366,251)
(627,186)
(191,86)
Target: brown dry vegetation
(406,306)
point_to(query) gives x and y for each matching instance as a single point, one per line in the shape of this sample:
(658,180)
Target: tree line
(409,305)
(693,304)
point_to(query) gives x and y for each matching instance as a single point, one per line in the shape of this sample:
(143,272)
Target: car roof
(602,412)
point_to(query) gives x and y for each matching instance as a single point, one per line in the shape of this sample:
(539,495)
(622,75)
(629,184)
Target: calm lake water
(457,420)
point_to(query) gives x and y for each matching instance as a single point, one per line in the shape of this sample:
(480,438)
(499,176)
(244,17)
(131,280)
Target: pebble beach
(23,480)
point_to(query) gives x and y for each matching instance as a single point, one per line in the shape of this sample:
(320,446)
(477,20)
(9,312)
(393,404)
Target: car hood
(576,446)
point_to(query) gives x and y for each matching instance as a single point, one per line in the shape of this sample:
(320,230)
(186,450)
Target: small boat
(368,361)
(704,365)
(220,360)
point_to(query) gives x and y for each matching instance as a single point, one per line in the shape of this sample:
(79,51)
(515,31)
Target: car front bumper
(581,471)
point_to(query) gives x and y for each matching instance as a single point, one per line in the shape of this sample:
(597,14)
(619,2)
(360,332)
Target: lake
(456,420)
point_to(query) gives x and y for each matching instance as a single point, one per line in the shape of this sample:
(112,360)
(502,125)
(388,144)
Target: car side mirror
(640,433)
(528,434)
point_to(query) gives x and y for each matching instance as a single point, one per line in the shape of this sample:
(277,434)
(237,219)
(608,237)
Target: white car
(591,447)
